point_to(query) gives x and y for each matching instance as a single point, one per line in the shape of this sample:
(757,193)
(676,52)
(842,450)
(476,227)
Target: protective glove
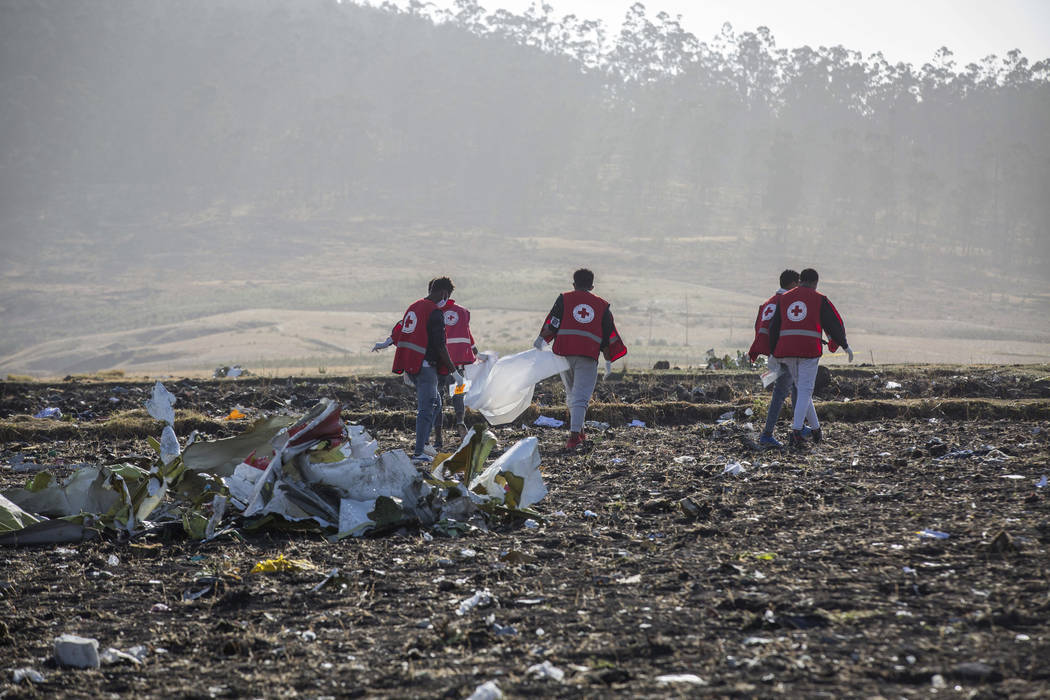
(608,369)
(538,343)
(849,353)
(385,344)
(459,378)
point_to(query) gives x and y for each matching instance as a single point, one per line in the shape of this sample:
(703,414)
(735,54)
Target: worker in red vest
(463,351)
(784,384)
(422,354)
(581,326)
(795,338)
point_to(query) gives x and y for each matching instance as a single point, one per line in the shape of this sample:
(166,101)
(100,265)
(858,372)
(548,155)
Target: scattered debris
(49,412)
(29,675)
(271,566)
(685,678)
(545,422)
(932,534)
(546,670)
(76,652)
(636,424)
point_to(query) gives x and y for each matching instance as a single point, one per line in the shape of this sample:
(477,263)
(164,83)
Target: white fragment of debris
(76,652)
(893,385)
(636,424)
(481,599)
(734,469)
(161,404)
(725,417)
(486,691)
(546,670)
(113,560)
(113,656)
(531,524)
(686,678)
(159,608)
(1041,483)
(685,459)
(589,514)
(749,412)
(27,674)
(636,578)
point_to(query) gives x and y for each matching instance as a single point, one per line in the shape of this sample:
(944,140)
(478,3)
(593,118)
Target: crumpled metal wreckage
(314,472)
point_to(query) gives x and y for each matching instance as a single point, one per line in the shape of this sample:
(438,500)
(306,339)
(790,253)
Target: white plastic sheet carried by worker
(501,388)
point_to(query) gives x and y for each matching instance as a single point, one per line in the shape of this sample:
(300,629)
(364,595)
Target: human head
(440,288)
(583,279)
(809,278)
(788,279)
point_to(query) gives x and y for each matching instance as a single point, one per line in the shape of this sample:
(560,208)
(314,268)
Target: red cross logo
(409,324)
(451,318)
(797,311)
(768,311)
(583,313)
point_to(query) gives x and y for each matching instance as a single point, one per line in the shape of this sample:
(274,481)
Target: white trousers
(804,372)
(579,381)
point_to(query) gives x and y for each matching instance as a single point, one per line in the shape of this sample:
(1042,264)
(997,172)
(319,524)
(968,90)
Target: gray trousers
(804,372)
(579,381)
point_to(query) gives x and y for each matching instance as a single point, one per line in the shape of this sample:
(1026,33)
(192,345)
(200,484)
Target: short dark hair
(809,276)
(583,278)
(788,278)
(441,284)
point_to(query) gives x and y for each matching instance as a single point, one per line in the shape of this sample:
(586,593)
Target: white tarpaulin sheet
(501,389)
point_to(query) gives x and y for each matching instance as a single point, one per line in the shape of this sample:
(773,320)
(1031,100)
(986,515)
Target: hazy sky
(904,30)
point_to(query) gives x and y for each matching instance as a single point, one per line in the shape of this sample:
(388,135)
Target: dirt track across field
(805,575)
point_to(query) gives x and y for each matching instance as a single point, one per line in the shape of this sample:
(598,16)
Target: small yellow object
(460,388)
(271,566)
(235,415)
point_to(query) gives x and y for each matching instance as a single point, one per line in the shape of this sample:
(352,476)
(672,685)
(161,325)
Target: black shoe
(796,441)
(818,435)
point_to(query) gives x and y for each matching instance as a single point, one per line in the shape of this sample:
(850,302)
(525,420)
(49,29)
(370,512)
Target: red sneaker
(575,440)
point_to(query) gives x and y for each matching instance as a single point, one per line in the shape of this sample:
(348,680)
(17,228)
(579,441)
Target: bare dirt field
(653,573)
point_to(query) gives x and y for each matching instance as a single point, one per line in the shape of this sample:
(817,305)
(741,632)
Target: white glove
(459,378)
(849,353)
(538,343)
(608,369)
(385,344)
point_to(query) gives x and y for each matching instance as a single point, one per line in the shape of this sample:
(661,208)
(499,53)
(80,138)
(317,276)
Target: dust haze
(188,184)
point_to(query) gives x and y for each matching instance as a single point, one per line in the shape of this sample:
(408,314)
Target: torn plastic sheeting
(502,389)
(636,424)
(49,412)
(522,461)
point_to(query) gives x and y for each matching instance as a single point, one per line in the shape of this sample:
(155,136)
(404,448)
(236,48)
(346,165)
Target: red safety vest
(457,334)
(800,329)
(580,328)
(760,346)
(410,336)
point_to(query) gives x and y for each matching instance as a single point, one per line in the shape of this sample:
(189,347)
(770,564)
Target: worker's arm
(774,330)
(832,323)
(551,323)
